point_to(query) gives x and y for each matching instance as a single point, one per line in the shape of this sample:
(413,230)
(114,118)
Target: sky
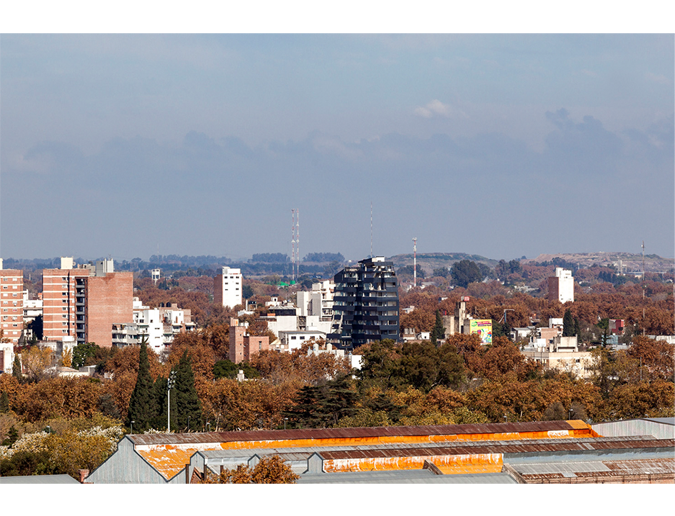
(502,145)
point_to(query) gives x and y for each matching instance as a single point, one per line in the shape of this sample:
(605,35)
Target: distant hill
(629,262)
(431,261)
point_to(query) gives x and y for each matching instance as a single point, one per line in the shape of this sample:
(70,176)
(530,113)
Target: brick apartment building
(11,303)
(242,345)
(84,301)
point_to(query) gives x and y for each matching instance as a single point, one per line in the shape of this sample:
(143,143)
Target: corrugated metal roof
(608,469)
(487,447)
(39,479)
(350,433)
(415,476)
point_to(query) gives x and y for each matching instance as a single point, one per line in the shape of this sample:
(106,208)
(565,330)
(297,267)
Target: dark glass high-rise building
(365,304)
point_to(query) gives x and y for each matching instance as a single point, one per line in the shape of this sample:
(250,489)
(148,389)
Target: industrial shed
(660,427)
(523,452)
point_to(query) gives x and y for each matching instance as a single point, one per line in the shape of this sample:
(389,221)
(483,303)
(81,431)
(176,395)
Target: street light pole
(170,383)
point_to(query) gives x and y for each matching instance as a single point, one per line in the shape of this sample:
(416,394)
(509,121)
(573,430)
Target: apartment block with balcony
(11,303)
(365,304)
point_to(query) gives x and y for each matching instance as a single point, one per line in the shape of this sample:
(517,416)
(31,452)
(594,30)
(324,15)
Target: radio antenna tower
(297,244)
(643,287)
(371,229)
(415,262)
(293,245)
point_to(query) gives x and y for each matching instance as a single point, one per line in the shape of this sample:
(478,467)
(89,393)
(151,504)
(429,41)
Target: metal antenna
(371,229)
(293,245)
(415,262)
(643,287)
(297,244)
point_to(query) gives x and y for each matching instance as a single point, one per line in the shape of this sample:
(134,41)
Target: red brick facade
(108,300)
(11,304)
(61,311)
(244,346)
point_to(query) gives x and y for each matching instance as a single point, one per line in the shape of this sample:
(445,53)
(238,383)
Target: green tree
(337,400)
(187,401)
(142,406)
(568,324)
(438,331)
(16,368)
(4,402)
(465,272)
(81,352)
(306,410)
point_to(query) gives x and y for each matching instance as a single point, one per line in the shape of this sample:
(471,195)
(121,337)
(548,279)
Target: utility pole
(169,384)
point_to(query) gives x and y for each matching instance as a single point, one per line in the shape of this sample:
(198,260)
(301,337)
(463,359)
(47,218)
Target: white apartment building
(158,325)
(228,287)
(561,286)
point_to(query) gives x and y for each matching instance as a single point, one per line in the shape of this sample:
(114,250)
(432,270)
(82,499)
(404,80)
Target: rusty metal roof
(487,447)
(350,433)
(541,473)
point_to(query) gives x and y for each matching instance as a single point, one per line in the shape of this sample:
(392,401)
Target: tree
(568,324)
(188,405)
(4,402)
(142,405)
(269,470)
(16,368)
(81,352)
(439,329)
(465,272)
(37,362)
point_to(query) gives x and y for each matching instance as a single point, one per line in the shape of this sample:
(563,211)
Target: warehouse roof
(415,476)
(355,433)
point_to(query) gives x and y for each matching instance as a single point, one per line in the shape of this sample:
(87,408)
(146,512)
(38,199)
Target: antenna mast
(643,287)
(415,262)
(297,244)
(293,245)
(371,229)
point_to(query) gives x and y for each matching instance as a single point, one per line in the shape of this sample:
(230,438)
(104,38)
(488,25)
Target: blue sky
(500,145)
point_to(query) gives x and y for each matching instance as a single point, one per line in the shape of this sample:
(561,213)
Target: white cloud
(437,108)
(659,79)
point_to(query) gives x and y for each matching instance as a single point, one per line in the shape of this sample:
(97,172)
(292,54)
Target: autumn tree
(269,470)
(36,362)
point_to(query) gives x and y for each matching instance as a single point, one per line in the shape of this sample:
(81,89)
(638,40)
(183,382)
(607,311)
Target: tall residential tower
(365,304)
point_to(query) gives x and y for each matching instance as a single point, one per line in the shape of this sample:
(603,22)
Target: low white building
(158,325)
(292,340)
(561,353)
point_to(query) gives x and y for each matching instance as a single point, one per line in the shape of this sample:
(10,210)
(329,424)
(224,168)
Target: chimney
(84,473)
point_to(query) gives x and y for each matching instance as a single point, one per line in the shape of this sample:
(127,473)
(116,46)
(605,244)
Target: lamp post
(132,427)
(169,384)
(285,419)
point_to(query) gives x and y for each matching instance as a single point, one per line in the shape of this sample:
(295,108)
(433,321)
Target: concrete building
(365,306)
(227,287)
(158,325)
(561,286)
(11,307)
(561,353)
(242,345)
(292,340)
(84,301)
(6,357)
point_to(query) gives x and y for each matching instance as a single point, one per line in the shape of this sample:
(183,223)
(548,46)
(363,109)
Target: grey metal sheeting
(39,479)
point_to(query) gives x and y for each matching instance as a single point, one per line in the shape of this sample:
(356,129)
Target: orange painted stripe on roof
(401,439)
(452,464)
